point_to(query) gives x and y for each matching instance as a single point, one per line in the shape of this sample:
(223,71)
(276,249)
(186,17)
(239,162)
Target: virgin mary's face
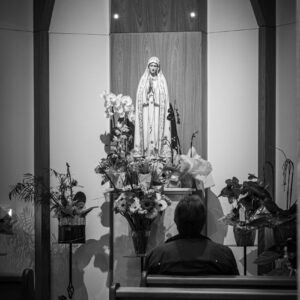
(153,68)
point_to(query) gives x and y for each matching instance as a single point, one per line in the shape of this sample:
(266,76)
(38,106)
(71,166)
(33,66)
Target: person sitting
(189,252)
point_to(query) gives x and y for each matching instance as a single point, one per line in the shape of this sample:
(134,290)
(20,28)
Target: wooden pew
(256,282)
(14,287)
(144,293)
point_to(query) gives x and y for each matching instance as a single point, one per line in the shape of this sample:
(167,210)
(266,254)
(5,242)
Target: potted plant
(253,208)
(68,206)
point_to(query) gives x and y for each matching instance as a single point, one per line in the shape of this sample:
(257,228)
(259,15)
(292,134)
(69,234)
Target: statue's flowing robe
(151,124)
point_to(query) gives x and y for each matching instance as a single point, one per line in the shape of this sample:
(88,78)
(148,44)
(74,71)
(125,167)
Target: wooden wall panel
(158,15)
(181,57)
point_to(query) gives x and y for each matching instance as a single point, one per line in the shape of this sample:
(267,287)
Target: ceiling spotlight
(192,14)
(116,16)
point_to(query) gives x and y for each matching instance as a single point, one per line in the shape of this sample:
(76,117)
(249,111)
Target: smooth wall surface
(232,108)
(16,128)
(79,72)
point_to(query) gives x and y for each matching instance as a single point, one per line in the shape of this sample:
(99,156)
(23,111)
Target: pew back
(145,293)
(15,287)
(259,282)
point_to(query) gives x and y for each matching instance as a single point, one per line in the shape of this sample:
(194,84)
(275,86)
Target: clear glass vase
(140,241)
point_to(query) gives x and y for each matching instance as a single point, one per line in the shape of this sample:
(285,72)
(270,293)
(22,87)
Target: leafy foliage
(254,200)
(62,199)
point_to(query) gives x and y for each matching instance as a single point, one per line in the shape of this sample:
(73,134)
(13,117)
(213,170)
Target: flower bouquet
(138,195)
(190,170)
(140,206)
(68,207)
(137,182)
(120,110)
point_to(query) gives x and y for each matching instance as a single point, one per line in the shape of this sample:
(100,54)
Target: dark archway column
(265,12)
(42,17)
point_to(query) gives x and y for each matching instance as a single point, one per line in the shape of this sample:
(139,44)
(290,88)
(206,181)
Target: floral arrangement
(120,110)
(140,206)
(138,183)
(253,206)
(121,167)
(190,170)
(63,201)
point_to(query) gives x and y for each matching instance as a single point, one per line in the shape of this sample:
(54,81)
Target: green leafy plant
(62,199)
(253,199)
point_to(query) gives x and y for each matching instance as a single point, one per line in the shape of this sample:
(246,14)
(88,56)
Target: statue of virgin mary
(152,103)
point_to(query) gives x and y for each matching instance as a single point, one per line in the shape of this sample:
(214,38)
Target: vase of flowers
(68,206)
(140,241)
(140,197)
(140,206)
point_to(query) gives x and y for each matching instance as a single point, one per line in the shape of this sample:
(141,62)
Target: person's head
(153,65)
(190,216)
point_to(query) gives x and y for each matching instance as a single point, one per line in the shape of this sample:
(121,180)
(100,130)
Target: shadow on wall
(17,250)
(82,255)
(216,230)
(127,265)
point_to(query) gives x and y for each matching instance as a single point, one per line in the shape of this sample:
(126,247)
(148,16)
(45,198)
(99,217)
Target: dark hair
(190,216)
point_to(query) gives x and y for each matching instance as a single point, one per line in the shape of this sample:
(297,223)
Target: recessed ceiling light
(192,14)
(116,16)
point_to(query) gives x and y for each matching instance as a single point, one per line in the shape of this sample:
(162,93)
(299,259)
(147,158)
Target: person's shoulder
(219,246)
(159,251)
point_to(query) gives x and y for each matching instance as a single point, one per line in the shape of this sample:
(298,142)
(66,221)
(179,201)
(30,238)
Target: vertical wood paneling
(158,15)
(181,62)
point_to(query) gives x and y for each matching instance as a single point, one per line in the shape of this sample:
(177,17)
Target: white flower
(167,199)
(118,103)
(161,205)
(125,128)
(120,111)
(142,211)
(121,204)
(135,206)
(110,99)
(126,101)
